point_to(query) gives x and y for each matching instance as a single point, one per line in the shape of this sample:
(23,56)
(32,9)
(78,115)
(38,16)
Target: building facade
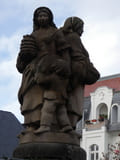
(101,118)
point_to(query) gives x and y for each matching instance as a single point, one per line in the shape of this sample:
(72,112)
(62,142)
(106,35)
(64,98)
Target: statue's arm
(92,74)
(63,64)
(20,65)
(83,70)
(27,52)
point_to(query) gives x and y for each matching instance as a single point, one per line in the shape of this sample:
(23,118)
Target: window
(94,152)
(114,115)
(102,110)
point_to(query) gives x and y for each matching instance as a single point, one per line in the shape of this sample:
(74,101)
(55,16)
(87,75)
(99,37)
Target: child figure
(52,74)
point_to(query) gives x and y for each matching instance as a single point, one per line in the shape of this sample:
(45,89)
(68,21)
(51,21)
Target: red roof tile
(111,83)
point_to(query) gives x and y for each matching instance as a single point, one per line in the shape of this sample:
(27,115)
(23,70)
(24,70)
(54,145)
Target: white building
(102,117)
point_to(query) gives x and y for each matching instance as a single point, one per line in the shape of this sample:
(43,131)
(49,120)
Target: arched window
(102,110)
(94,152)
(114,115)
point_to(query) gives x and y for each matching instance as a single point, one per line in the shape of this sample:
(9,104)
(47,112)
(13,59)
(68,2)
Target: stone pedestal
(49,137)
(49,151)
(48,146)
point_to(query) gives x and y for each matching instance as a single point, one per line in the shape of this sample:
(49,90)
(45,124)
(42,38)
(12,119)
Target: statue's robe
(48,41)
(83,72)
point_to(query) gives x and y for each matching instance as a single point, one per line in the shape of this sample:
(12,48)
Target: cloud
(13,107)
(102,44)
(9,82)
(10,79)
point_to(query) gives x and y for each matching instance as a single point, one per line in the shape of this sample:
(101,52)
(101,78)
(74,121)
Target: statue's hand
(62,68)
(28,48)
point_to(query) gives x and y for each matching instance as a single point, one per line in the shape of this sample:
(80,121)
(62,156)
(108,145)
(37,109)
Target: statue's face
(80,30)
(43,19)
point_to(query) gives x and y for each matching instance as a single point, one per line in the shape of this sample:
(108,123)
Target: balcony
(95,124)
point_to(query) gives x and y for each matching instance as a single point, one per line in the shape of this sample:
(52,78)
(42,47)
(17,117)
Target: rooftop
(112,81)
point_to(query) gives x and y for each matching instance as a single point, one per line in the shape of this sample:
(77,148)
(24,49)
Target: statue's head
(43,17)
(74,24)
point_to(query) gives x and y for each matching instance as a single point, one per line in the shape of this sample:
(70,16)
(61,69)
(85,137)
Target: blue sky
(101,37)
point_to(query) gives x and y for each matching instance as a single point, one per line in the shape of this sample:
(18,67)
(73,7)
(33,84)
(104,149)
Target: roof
(10,127)
(112,81)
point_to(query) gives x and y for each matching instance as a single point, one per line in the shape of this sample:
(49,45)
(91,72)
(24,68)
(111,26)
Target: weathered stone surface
(50,151)
(50,137)
(55,67)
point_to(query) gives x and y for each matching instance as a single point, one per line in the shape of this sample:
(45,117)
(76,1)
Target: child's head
(74,24)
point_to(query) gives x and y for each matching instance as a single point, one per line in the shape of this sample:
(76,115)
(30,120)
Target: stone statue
(55,67)
(82,70)
(44,62)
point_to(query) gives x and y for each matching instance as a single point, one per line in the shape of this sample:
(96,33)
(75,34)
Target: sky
(101,38)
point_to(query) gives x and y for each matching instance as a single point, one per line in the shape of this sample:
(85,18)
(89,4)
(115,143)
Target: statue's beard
(43,23)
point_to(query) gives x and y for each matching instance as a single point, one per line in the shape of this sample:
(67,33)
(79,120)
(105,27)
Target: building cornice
(109,77)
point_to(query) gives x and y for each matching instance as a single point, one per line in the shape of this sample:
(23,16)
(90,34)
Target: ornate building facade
(100,126)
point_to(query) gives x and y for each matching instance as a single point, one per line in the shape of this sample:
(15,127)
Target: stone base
(50,151)
(49,137)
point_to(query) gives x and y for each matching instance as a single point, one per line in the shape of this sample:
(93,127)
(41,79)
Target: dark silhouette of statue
(55,67)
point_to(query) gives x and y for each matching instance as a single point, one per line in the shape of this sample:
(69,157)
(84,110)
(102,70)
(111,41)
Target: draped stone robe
(48,41)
